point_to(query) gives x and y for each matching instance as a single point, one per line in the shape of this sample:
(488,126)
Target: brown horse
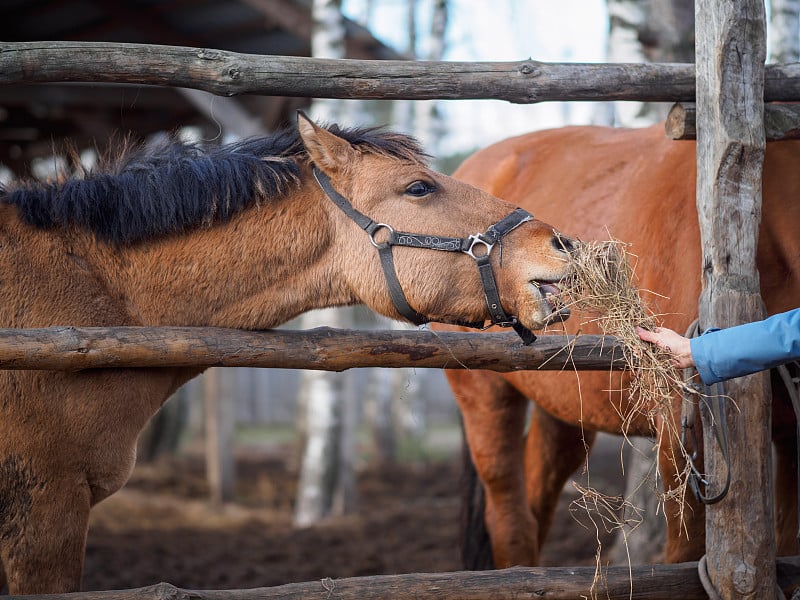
(639,187)
(237,236)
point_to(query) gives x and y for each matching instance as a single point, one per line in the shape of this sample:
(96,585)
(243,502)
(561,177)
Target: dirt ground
(161,527)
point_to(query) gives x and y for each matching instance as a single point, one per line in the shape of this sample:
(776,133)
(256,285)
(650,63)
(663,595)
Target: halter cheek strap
(483,243)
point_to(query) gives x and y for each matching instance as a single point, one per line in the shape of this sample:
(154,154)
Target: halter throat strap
(478,246)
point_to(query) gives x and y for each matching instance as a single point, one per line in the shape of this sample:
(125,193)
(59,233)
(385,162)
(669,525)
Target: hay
(601,287)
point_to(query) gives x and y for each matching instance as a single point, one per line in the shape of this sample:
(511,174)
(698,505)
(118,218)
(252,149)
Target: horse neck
(266,265)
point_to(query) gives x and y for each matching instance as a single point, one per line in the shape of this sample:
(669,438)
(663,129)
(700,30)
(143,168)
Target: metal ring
(477,239)
(377,228)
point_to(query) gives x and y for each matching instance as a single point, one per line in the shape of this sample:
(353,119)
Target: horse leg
(685,516)
(494,419)
(784,440)
(786,495)
(554,451)
(43,541)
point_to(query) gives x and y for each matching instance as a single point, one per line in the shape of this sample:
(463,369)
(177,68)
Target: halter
(478,246)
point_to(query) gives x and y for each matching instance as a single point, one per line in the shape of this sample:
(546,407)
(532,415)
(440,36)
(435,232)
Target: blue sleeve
(721,354)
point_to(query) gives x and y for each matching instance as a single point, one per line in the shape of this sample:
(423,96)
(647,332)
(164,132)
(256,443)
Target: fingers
(646,335)
(671,342)
(659,334)
(662,337)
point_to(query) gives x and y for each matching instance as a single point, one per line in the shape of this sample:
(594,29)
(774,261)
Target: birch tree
(784,31)
(404,109)
(647,31)
(327,480)
(428,125)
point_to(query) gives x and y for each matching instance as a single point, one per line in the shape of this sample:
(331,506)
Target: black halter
(467,245)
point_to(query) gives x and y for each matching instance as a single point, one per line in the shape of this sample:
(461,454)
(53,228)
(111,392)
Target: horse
(638,187)
(245,235)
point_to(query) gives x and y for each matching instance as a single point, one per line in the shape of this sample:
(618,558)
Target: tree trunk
(648,31)
(220,427)
(327,41)
(324,404)
(403,110)
(327,482)
(428,126)
(784,31)
(379,399)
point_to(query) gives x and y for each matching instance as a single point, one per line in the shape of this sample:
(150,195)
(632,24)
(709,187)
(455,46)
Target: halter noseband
(467,245)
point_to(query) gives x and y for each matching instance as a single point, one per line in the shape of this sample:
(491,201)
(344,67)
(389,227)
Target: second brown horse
(636,186)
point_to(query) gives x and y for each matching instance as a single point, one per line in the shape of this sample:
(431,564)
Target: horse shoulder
(47,279)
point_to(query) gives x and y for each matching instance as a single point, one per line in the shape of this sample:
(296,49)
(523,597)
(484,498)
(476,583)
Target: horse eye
(418,189)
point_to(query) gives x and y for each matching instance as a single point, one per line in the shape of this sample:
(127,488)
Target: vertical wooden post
(220,426)
(731,50)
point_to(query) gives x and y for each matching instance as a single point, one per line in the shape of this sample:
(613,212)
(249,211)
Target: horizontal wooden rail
(229,73)
(781,122)
(645,582)
(325,349)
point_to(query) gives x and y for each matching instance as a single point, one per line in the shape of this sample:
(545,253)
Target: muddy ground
(161,527)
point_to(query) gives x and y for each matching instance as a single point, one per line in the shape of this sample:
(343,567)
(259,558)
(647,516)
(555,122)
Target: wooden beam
(731,50)
(230,73)
(781,122)
(640,582)
(325,349)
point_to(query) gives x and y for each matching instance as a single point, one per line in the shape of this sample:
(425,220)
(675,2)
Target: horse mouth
(553,301)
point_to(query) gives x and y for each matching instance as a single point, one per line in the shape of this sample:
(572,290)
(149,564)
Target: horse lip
(546,290)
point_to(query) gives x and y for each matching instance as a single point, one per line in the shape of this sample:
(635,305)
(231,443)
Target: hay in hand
(602,288)
(601,285)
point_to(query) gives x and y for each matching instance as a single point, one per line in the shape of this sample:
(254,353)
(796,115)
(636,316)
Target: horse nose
(562,243)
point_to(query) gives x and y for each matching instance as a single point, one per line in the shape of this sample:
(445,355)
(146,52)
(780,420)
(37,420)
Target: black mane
(155,191)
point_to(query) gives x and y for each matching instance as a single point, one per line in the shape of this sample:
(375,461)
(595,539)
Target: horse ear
(327,150)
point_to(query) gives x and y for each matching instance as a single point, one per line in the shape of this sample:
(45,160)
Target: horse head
(493,261)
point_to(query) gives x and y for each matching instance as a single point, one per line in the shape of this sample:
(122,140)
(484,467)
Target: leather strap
(467,245)
(395,289)
(714,403)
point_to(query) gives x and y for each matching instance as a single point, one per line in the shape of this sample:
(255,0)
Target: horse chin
(546,310)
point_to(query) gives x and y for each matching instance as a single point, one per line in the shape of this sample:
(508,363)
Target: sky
(501,30)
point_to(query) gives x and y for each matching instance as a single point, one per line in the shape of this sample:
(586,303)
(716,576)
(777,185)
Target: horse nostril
(562,243)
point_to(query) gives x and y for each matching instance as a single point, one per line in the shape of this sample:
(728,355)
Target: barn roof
(33,117)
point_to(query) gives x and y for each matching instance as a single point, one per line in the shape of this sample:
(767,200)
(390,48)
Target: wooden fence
(324,349)
(730,84)
(647,582)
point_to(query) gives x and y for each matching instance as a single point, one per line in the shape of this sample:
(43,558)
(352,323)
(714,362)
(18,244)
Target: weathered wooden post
(731,50)
(220,428)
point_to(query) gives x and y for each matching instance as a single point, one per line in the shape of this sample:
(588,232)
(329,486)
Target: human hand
(674,344)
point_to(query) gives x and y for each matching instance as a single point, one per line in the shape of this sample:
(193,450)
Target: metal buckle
(477,239)
(378,227)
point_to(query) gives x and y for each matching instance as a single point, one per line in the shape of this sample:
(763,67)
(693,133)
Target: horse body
(639,187)
(67,439)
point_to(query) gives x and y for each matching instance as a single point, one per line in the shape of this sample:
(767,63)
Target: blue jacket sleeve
(721,354)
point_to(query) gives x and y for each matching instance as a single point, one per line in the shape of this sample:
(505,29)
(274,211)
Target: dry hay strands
(601,286)
(601,289)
